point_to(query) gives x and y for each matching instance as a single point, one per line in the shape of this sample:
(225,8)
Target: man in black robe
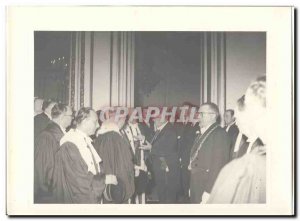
(115,150)
(165,161)
(41,120)
(77,176)
(46,145)
(210,152)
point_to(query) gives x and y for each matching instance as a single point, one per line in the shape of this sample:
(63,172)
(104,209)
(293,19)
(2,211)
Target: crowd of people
(80,158)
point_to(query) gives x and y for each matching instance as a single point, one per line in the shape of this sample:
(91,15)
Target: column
(213,68)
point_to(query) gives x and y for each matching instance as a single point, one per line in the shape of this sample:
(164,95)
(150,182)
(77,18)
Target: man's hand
(146,146)
(111,179)
(205,197)
(139,137)
(164,165)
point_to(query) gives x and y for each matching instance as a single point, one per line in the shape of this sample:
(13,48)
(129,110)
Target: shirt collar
(83,135)
(161,126)
(203,129)
(63,129)
(229,125)
(48,115)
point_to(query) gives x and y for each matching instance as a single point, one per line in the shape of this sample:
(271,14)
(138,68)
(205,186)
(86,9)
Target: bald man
(210,152)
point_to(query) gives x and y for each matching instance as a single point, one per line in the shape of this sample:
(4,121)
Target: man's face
(91,123)
(228,118)
(49,108)
(187,112)
(121,122)
(158,121)
(67,118)
(206,116)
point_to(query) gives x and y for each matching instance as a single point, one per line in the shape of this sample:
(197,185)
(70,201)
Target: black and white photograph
(129,118)
(79,74)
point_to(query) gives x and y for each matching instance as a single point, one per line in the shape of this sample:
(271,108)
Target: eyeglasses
(202,113)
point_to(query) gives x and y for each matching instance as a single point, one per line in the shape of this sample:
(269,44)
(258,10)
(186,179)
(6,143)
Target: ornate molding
(72,69)
(82,61)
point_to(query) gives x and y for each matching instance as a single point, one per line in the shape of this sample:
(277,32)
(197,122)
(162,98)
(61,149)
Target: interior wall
(101,70)
(174,60)
(245,60)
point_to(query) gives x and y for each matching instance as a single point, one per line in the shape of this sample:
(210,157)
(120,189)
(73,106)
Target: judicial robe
(164,151)
(40,123)
(46,145)
(243,180)
(210,152)
(117,158)
(73,182)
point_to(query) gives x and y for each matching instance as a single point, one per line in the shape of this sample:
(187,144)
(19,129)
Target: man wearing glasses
(46,145)
(210,152)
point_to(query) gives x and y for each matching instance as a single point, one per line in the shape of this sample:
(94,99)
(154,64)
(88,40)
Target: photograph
(135,118)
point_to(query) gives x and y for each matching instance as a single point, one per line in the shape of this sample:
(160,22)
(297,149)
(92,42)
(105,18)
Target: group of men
(79,161)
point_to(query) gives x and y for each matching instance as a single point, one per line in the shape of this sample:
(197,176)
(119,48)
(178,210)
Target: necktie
(155,136)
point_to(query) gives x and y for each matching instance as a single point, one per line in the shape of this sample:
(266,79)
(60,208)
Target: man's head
(86,120)
(160,119)
(251,111)
(47,106)
(229,116)
(117,115)
(62,115)
(38,104)
(187,106)
(208,114)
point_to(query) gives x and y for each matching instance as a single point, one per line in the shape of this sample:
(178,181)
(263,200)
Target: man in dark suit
(186,133)
(41,120)
(231,128)
(210,152)
(165,162)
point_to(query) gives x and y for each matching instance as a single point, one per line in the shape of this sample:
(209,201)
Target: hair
(81,115)
(46,104)
(231,112)
(58,109)
(257,91)
(213,107)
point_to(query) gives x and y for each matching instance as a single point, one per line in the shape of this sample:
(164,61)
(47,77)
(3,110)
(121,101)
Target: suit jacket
(185,142)
(147,131)
(213,155)
(40,123)
(244,145)
(233,132)
(165,146)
